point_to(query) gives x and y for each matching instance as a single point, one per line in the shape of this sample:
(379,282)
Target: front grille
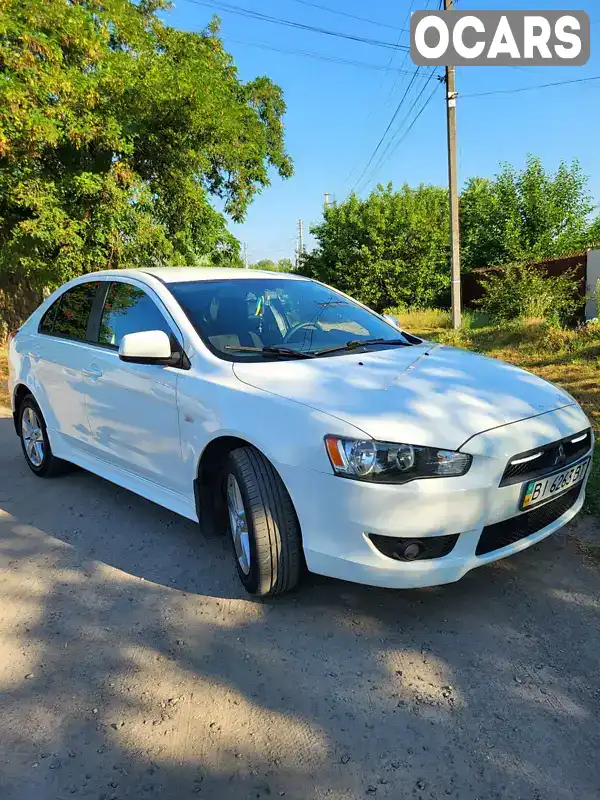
(431,546)
(541,460)
(512,530)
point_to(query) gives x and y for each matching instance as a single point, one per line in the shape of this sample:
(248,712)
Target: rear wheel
(262,524)
(35,443)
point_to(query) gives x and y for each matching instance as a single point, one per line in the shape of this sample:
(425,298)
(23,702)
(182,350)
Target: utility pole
(300,247)
(245,255)
(451,95)
(326,204)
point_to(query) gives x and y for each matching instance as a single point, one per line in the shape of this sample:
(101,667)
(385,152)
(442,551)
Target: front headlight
(384,462)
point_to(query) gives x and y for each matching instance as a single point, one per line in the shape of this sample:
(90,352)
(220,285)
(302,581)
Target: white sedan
(314,430)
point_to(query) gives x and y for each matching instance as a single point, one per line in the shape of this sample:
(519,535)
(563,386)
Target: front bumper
(337,515)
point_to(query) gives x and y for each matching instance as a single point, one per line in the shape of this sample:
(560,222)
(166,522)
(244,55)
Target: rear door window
(128,309)
(70,318)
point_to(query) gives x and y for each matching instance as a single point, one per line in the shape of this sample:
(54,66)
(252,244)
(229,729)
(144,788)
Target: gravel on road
(132,665)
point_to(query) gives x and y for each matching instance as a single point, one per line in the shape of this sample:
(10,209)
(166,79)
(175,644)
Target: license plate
(537,491)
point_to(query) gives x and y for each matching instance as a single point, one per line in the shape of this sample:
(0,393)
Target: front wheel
(262,523)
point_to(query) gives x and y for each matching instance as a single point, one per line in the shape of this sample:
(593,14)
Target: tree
(527,215)
(283,265)
(390,249)
(265,263)
(393,247)
(115,130)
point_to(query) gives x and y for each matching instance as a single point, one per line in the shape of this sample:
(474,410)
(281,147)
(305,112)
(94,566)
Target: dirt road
(132,666)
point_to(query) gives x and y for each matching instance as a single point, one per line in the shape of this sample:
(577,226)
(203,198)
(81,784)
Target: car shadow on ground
(133,665)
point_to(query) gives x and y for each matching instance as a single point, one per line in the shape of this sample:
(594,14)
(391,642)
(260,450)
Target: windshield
(255,313)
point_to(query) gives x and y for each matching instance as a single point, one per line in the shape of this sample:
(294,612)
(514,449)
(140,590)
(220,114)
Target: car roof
(181,274)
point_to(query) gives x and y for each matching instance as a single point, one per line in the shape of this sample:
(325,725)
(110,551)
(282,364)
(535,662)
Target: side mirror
(392,321)
(146,347)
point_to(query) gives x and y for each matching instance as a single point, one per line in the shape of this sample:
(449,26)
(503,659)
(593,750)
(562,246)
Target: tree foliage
(393,247)
(265,263)
(387,250)
(115,130)
(526,216)
(283,265)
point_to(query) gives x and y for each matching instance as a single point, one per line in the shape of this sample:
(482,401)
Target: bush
(520,291)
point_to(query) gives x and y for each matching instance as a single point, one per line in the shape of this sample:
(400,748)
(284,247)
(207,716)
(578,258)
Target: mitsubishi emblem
(561,456)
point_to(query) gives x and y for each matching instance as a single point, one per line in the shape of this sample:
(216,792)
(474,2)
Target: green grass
(437,319)
(592,497)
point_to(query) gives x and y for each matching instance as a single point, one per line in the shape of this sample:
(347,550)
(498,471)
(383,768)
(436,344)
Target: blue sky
(338,112)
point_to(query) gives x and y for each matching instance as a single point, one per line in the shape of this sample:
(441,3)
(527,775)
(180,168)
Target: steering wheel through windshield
(302,326)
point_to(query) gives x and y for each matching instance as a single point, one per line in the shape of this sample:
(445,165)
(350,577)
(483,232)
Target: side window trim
(95,320)
(92,334)
(56,306)
(50,313)
(176,333)
(158,302)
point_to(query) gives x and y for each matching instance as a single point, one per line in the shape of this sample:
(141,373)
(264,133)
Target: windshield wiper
(270,350)
(354,344)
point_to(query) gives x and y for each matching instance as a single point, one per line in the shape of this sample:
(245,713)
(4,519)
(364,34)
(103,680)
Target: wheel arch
(20,392)
(210,507)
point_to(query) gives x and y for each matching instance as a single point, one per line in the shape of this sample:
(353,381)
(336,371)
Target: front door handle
(93,373)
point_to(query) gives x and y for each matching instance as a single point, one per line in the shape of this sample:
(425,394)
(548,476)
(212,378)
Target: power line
(319,56)
(391,144)
(246,12)
(531,88)
(406,18)
(386,131)
(390,93)
(523,69)
(382,158)
(351,16)
(404,60)
(410,127)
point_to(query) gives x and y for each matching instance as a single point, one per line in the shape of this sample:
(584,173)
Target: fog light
(405,549)
(411,551)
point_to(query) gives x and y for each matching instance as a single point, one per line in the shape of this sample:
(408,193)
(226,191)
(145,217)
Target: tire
(48,466)
(270,561)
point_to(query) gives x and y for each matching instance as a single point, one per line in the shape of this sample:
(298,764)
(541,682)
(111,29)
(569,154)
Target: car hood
(425,394)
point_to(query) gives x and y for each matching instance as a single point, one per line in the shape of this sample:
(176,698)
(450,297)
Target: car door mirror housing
(147,347)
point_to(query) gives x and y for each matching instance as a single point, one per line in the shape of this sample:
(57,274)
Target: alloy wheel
(33,437)
(238,524)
